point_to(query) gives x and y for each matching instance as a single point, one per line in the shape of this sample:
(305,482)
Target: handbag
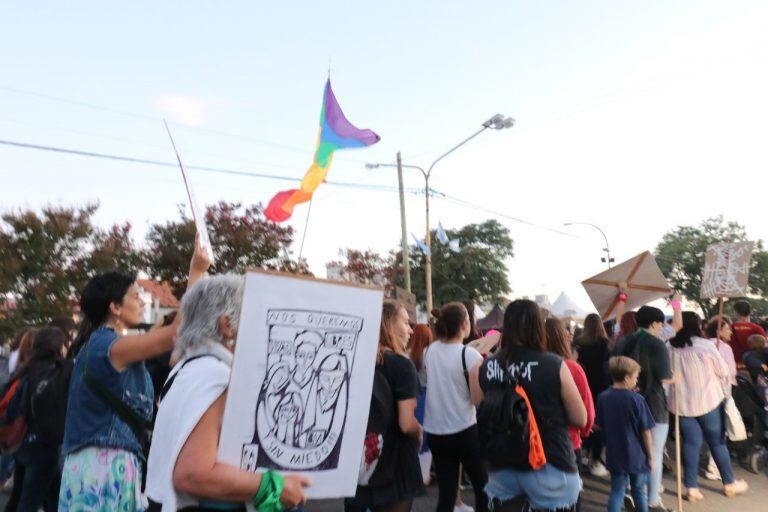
(734,424)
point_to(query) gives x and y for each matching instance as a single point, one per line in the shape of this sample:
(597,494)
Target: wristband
(267,498)
(675,304)
(622,297)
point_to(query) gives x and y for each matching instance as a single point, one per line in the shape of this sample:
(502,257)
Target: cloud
(188,110)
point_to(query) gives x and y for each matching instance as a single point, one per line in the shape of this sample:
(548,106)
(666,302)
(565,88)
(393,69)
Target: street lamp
(497,122)
(607,249)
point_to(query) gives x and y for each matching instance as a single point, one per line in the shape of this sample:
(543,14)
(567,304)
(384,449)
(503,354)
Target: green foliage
(681,253)
(477,272)
(241,236)
(47,258)
(369,267)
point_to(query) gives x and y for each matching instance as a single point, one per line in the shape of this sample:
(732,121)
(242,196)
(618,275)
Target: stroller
(752,402)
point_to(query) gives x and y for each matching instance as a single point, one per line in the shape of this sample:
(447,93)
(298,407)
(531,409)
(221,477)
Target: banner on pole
(726,270)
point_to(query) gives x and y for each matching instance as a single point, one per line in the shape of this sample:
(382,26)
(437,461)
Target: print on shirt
(517,370)
(302,405)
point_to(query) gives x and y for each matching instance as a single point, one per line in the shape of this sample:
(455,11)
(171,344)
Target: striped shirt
(705,378)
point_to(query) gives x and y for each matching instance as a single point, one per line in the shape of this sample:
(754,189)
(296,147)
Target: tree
(477,272)
(681,254)
(48,257)
(241,238)
(369,267)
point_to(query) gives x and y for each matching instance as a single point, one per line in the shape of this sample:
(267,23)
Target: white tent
(565,306)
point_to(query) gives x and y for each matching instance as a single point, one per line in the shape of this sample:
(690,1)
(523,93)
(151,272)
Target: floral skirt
(101,479)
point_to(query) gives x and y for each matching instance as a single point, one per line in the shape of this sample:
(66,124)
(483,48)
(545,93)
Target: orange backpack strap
(8,396)
(536,456)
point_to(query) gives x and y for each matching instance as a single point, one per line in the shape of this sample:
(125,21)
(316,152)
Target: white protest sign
(198,214)
(302,377)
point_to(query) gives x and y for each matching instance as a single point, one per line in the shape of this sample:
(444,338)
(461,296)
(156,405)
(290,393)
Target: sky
(635,116)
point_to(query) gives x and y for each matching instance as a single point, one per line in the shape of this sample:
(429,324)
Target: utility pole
(404,239)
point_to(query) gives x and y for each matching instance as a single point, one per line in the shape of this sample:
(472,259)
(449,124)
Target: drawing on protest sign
(301,377)
(726,270)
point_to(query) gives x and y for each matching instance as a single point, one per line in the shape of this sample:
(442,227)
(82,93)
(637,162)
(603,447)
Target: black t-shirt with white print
(539,374)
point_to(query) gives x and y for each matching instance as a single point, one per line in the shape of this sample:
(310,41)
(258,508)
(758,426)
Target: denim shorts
(547,488)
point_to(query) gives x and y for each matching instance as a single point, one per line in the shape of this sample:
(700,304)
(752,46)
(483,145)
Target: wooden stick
(719,320)
(677,439)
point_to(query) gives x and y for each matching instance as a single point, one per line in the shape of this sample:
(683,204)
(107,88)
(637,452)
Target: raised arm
(128,350)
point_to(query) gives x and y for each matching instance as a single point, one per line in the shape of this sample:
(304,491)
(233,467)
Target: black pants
(37,482)
(594,443)
(448,452)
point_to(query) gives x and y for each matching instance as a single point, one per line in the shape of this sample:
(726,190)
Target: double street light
(607,249)
(497,122)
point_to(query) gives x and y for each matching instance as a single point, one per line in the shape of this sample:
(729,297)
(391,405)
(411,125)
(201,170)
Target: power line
(473,206)
(346,184)
(92,106)
(233,172)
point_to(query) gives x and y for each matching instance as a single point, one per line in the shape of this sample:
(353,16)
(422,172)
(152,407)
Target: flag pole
(304,235)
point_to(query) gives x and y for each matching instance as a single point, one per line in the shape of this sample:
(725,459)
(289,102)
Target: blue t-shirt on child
(623,415)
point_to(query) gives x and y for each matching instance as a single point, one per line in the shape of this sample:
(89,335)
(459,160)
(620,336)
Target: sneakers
(712,473)
(629,503)
(658,508)
(693,495)
(597,469)
(737,487)
(463,508)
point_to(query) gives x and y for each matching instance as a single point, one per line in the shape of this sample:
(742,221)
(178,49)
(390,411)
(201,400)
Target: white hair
(202,306)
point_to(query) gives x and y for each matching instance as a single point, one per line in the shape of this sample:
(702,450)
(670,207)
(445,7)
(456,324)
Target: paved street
(596,496)
(596,490)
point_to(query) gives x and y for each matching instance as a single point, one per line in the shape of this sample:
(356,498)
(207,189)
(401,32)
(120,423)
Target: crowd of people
(94,418)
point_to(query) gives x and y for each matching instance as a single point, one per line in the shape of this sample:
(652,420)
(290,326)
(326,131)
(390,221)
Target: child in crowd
(756,359)
(626,422)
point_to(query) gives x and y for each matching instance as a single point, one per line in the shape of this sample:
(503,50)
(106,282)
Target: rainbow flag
(336,132)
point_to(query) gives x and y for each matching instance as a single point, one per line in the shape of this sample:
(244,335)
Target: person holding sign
(182,467)
(110,394)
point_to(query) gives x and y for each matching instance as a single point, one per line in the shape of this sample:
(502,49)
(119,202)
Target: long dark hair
(523,327)
(557,338)
(46,349)
(100,292)
(594,330)
(691,327)
(474,333)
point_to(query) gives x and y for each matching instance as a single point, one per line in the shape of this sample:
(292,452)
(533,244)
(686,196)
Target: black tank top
(539,374)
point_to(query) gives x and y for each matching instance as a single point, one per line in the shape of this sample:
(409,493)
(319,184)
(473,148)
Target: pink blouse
(705,379)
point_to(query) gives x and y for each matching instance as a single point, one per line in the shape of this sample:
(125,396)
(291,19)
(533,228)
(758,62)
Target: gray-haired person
(182,466)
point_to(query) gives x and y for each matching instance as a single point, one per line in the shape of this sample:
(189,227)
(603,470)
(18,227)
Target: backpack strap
(169,382)
(464,365)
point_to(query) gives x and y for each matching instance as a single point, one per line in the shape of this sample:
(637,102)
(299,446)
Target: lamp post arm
(454,148)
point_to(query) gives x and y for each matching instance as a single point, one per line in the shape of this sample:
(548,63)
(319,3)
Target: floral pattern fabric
(101,479)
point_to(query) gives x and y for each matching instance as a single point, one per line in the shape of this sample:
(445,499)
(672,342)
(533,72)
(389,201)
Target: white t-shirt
(197,386)
(449,407)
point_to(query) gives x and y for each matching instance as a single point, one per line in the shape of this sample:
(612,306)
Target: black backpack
(505,423)
(48,393)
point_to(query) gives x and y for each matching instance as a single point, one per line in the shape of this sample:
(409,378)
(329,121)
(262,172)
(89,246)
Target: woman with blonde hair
(389,477)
